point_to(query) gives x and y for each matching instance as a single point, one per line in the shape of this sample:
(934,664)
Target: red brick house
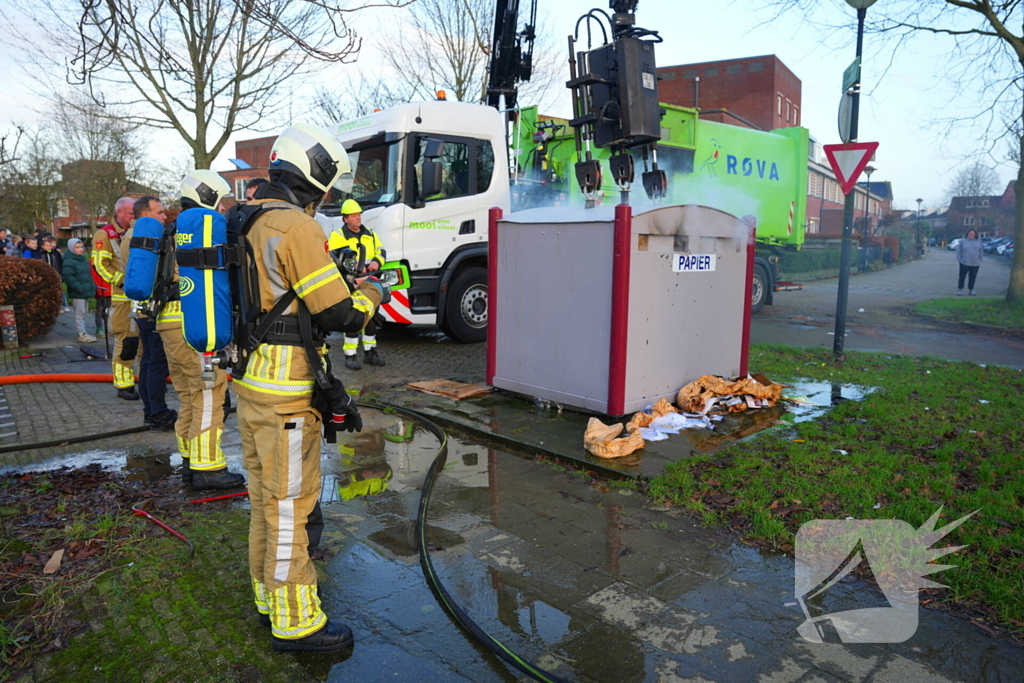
(251,160)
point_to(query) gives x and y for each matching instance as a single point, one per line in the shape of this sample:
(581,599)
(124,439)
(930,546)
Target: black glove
(344,414)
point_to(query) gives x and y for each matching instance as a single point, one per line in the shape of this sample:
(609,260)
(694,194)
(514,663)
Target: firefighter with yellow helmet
(200,420)
(279,417)
(366,255)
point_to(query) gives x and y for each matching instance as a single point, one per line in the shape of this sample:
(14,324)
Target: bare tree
(204,69)
(33,185)
(8,159)
(986,67)
(103,152)
(357,97)
(974,180)
(446,46)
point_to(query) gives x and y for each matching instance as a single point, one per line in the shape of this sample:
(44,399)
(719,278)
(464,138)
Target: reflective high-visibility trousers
(201,413)
(369,335)
(281,446)
(126,344)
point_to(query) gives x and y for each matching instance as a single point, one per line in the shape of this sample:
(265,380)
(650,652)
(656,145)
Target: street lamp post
(920,237)
(839,343)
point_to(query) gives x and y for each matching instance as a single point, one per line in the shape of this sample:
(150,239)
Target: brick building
(754,92)
(991,216)
(825,204)
(251,160)
(86,187)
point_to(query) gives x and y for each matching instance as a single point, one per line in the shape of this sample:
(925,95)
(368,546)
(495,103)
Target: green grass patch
(984,311)
(934,434)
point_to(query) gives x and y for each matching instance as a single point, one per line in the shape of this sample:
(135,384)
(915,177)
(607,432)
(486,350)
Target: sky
(903,94)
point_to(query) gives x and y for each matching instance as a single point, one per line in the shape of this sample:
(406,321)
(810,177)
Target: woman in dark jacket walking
(81,288)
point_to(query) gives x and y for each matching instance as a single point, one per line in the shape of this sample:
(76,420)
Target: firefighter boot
(372,357)
(128,394)
(217,479)
(186,472)
(333,636)
(352,363)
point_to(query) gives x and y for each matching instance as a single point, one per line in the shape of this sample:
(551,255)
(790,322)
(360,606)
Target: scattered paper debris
(696,396)
(840,451)
(53,564)
(602,440)
(449,389)
(981,400)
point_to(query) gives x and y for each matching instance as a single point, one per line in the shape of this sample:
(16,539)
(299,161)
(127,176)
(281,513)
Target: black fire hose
(453,608)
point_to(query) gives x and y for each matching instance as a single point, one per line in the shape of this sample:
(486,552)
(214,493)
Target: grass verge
(935,433)
(983,311)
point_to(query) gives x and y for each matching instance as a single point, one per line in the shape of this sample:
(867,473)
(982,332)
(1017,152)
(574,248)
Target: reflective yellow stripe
(118,297)
(361,303)
(316,280)
(307,617)
(183,449)
(170,313)
(276,388)
(211,325)
(259,589)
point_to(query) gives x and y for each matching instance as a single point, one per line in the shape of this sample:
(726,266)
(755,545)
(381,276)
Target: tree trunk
(1016,290)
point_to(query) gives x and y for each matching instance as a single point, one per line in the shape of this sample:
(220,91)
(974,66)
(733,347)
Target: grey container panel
(554,311)
(683,325)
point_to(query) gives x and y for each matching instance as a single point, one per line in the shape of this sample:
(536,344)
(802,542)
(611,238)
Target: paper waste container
(612,308)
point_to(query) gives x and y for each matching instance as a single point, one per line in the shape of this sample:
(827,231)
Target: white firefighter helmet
(206,188)
(312,153)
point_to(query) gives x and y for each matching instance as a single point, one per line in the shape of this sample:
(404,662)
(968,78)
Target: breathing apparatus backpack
(150,267)
(221,304)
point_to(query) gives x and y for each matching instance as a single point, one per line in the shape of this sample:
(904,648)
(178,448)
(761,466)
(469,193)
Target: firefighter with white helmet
(200,422)
(366,256)
(279,413)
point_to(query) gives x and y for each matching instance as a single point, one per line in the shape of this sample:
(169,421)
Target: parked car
(1001,249)
(1008,253)
(994,244)
(952,245)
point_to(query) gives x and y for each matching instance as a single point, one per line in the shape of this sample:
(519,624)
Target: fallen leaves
(53,564)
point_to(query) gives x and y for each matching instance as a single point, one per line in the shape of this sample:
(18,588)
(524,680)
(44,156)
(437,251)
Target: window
(690,73)
(63,210)
(756,66)
(970,203)
(484,165)
(968,220)
(984,202)
(667,75)
(711,71)
(734,69)
(780,104)
(787,111)
(374,179)
(983,220)
(796,115)
(240,189)
(812,226)
(454,162)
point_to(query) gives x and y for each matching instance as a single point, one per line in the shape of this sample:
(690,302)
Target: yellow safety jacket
(288,251)
(364,243)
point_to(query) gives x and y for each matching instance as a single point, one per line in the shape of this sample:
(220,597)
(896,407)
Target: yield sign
(849,160)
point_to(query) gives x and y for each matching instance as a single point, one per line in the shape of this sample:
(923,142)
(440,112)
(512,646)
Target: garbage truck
(427,173)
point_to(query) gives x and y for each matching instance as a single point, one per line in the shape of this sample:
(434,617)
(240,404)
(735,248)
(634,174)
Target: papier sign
(693,263)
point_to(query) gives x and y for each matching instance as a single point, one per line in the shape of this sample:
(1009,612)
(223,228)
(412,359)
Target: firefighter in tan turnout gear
(278,417)
(106,259)
(200,420)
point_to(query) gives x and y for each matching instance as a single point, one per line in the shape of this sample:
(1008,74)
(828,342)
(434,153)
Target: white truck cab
(439,233)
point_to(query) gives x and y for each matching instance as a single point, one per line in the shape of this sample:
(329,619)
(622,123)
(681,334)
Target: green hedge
(810,260)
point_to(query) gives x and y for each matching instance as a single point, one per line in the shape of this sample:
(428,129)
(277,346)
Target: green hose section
(453,608)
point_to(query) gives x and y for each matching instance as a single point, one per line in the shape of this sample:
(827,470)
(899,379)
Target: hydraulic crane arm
(511,60)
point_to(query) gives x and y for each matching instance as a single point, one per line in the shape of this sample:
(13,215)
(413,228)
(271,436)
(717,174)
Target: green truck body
(739,170)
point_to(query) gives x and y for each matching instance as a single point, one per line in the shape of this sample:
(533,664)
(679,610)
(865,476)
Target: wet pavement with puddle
(583,579)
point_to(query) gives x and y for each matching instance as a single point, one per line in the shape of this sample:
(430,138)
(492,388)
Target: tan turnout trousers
(126,344)
(201,414)
(284,485)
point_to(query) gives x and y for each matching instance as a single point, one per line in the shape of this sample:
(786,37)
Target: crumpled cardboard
(449,389)
(695,396)
(602,440)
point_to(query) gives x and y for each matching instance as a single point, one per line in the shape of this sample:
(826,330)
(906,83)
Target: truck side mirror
(431,180)
(435,148)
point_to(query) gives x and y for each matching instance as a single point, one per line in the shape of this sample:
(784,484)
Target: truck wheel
(465,313)
(758,289)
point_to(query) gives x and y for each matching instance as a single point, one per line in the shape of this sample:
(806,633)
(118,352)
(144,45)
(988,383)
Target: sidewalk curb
(970,323)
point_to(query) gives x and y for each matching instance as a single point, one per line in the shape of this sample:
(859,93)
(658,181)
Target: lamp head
(860,4)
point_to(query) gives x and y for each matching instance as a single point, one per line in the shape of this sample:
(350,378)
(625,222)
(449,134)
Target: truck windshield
(375,173)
